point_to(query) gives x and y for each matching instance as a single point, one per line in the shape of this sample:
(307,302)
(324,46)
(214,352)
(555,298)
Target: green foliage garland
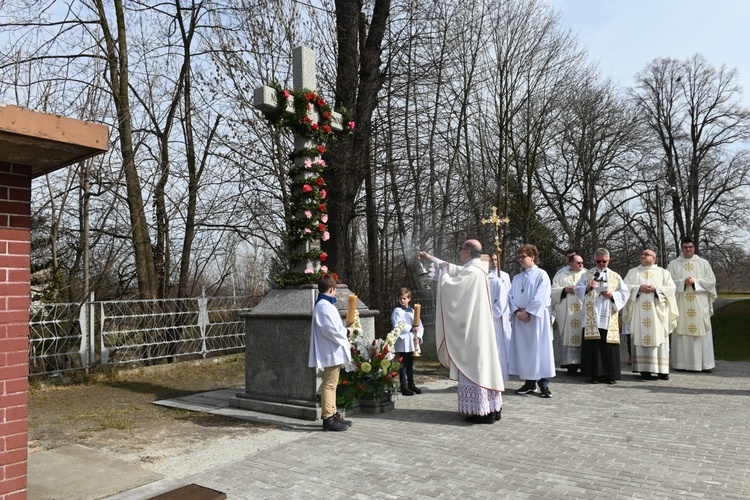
(307,183)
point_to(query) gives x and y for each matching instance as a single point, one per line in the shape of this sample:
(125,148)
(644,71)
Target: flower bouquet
(373,370)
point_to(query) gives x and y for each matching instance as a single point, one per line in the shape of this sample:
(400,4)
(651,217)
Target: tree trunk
(117,58)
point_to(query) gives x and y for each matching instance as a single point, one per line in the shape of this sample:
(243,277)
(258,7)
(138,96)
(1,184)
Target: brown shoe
(332,424)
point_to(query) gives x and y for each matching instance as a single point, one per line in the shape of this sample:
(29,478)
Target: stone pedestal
(277,346)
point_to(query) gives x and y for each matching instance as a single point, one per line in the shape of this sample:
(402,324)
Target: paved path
(687,437)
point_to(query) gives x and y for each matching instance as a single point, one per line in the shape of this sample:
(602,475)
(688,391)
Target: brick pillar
(15,249)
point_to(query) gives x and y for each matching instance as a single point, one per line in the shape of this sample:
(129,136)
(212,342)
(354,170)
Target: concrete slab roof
(47,142)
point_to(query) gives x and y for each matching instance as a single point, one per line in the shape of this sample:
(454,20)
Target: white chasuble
(650,316)
(695,302)
(568,309)
(464,328)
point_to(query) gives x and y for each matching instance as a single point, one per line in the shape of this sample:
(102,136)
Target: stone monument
(277,331)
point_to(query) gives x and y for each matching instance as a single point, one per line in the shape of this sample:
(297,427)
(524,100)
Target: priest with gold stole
(651,314)
(465,334)
(568,317)
(692,341)
(603,294)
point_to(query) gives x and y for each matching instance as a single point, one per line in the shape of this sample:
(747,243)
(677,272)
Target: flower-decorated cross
(314,123)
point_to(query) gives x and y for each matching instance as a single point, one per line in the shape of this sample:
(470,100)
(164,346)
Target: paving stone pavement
(682,438)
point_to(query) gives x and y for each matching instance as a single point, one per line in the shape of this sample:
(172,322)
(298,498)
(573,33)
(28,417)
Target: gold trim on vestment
(591,331)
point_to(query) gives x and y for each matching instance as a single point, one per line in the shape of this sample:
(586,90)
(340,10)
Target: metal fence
(68,337)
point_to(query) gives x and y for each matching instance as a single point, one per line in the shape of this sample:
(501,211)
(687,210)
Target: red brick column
(15,249)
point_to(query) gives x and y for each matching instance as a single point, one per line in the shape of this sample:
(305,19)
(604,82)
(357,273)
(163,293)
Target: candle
(350,310)
(417,312)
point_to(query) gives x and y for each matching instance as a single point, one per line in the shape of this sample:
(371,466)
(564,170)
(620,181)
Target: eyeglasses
(600,261)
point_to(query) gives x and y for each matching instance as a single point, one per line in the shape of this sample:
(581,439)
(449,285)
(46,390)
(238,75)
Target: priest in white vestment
(532,356)
(499,291)
(465,334)
(651,314)
(568,315)
(603,294)
(692,341)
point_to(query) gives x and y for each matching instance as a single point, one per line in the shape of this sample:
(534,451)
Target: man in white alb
(499,290)
(651,314)
(568,315)
(692,341)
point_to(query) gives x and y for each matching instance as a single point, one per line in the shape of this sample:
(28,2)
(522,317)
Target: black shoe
(526,389)
(332,424)
(572,369)
(341,419)
(498,415)
(545,392)
(663,376)
(481,419)
(647,376)
(405,391)
(413,388)
(710,370)
(594,380)
(609,381)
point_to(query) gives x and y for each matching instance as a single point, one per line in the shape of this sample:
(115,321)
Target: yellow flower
(385,364)
(366,367)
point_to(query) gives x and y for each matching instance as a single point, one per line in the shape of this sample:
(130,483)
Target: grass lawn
(730,326)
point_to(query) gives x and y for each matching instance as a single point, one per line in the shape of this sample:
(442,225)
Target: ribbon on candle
(351,309)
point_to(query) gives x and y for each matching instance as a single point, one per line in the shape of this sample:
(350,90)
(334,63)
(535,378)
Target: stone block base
(291,410)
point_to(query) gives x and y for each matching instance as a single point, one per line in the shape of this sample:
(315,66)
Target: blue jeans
(543,382)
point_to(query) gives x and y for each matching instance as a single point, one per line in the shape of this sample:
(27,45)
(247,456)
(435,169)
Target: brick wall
(15,247)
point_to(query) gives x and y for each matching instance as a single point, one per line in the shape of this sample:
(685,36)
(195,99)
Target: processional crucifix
(495,221)
(266,99)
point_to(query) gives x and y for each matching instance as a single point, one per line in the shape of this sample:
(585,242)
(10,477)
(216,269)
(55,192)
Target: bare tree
(695,115)
(594,163)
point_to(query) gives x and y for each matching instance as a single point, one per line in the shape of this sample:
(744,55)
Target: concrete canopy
(47,142)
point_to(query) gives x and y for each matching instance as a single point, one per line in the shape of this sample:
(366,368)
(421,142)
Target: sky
(623,36)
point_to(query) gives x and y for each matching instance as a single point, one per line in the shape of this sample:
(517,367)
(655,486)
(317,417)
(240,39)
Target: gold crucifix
(496,221)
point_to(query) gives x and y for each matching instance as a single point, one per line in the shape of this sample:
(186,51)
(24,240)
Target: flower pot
(382,404)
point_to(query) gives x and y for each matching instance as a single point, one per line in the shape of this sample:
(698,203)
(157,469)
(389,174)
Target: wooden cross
(266,99)
(495,221)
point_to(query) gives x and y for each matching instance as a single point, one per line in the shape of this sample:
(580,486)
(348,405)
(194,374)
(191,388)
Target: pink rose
(324,269)
(287,94)
(307,188)
(326,236)
(309,270)
(324,218)
(308,214)
(308,164)
(351,125)
(322,193)
(307,230)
